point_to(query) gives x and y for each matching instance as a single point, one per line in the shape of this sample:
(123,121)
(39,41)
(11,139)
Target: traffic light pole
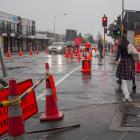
(104,24)
(104,46)
(104,41)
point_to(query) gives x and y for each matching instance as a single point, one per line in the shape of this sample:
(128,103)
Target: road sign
(28,105)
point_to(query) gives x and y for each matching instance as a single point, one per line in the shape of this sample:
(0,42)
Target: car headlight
(60,48)
(49,48)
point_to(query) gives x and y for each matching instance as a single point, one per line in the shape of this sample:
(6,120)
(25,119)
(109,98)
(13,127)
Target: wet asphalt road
(75,90)
(90,100)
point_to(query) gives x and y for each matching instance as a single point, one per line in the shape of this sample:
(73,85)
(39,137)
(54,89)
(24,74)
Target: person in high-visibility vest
(88,50)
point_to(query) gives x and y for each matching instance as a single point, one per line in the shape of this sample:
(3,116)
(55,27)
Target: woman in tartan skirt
(126,68)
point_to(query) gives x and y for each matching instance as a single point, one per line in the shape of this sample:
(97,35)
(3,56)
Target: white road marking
(123,136)
(40,97)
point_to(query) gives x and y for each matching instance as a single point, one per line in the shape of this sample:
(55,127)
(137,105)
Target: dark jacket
(122,52)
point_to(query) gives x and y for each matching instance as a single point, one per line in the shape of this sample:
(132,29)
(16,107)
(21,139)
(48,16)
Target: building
(71,34)
(131,24)
(17,32)
(50,36)
(41,41)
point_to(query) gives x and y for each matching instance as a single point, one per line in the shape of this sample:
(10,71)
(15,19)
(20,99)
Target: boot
(134,88)
(119,82)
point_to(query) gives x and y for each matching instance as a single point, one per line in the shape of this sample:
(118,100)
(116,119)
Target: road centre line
(58,82)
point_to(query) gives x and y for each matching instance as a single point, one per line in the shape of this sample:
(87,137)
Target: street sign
(28,105)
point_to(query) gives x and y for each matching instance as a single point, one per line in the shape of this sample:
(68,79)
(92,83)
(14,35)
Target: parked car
(57,47)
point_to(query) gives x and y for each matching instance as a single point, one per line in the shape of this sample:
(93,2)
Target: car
(57,47)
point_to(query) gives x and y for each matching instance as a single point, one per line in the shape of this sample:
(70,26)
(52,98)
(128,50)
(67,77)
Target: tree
(89,38)
(115,28)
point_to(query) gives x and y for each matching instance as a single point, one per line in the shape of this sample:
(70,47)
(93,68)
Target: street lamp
(54,22)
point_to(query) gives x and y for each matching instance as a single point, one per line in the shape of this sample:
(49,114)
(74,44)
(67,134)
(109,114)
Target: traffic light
(117,33)
(104,21)
(118,21)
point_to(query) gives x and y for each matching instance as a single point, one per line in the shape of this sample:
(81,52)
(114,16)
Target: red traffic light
(104,18)
(104,21)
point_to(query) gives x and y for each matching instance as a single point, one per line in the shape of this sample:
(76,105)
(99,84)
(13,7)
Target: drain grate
(132,117)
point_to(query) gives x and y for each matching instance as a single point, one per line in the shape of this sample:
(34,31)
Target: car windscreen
(57,44)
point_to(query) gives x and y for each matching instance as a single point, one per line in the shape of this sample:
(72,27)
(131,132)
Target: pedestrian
(100,50)
(108,47)
(126,68)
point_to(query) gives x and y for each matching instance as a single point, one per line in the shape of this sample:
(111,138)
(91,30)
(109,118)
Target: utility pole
(122,17)
(54,28)
(54,23)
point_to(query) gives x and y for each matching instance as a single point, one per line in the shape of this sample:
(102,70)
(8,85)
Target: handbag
(133,51)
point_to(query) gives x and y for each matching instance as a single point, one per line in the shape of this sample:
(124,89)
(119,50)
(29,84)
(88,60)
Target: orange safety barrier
(137,66)
(31,52)
(20,52)
(9,54)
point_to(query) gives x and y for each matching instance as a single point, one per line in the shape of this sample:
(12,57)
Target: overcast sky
(82,15)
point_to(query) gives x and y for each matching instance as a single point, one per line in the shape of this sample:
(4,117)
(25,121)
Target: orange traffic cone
(79,56)
(37,51)
(52,112)
(9,54)
(31,52)
(86,67)
(20,52)
(16,128)
(71,54)
(89,56)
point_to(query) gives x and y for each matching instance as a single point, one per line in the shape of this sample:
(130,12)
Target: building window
(12,27)
(29,30)
(9,27)
(1,26)
(5,26)
(25,30)
(15,47)
(15,28)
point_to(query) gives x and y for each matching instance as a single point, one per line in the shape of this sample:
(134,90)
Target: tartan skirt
(126,69)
